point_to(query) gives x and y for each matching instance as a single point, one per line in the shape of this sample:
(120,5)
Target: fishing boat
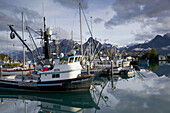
(63,74)
(143,63)
(16,70)
(102,62)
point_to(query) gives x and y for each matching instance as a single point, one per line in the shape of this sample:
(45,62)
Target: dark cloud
(10,14)
(5,19)
(154,14)
(98,20)
(143,36)
(73,3)
(12,9)
(161,25)
(7,44)
(138,10)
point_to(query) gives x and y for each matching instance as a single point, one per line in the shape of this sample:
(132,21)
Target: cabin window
(71,60)
(80,58)
(63,61)
(56,69)
(55,75)
(76,59)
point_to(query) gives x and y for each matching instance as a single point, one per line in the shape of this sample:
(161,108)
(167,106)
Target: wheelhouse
(70,59)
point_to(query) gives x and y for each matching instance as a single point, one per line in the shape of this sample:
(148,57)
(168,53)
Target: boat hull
(17,72)
(77,84)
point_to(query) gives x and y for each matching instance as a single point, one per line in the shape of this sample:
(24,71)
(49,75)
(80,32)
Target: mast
(47,34)
(80,28)
(23,38)
(92,37)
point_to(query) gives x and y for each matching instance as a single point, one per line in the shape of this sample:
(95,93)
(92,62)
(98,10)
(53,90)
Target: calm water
(147,93)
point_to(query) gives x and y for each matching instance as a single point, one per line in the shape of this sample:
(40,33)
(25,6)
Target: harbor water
(147,92)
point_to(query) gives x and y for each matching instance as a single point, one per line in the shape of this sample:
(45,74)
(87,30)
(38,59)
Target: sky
(119,22)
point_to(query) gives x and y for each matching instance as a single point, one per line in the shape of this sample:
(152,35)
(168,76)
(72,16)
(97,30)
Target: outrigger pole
(13,31)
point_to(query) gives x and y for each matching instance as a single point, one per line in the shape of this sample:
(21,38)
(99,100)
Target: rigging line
(27,25)
(86,21)
(25,20)
(95,50)
(32,46)
(37,32)
(13,30)
(33,41)
(98,52)
(31,35)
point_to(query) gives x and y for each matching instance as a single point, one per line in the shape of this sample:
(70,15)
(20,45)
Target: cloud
(153,14)
(132,10)
(98,20)
(11,14)
(143,36)
(73,3)
(62,34)
(8,44)
(5,19)
(143,95)
(12,9)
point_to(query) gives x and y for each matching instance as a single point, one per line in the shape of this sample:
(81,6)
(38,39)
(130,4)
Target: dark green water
(147,93)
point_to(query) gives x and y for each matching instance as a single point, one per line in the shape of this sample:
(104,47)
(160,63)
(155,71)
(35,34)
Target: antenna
(43,28)
(71,34)
(91,24)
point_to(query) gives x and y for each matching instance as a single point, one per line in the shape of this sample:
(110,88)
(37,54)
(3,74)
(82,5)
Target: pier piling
(1,70)
(112,76)
(111,67)
(88,68)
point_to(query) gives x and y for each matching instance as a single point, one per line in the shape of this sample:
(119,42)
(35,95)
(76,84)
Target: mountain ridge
(160,43)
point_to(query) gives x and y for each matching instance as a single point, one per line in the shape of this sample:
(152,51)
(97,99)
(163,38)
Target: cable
(86,21)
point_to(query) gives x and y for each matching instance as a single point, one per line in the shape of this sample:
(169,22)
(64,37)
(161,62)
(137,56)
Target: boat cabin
(64,68)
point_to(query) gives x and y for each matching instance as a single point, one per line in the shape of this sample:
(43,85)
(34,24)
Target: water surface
(148,92)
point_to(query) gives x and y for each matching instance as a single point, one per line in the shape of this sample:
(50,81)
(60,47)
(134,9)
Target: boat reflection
(50,102)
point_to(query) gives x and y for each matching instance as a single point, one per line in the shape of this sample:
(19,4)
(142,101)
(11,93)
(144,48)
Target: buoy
(30,73)
(46,68)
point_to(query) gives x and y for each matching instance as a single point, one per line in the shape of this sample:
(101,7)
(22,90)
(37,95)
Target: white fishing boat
(62,75)
(102,62)
(65,75)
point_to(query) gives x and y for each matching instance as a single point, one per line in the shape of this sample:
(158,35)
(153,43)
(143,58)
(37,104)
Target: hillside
(160,43)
